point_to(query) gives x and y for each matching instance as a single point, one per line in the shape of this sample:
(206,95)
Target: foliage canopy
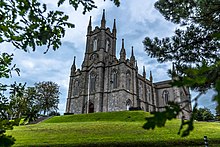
(26,24)
(194,49)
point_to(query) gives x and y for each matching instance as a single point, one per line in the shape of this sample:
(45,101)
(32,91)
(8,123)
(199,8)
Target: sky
(135,20)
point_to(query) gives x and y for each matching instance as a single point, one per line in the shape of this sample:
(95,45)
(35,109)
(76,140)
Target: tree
(217,115)
(203,114)
(48,96)
(27,24)
(194,49)
(32,107)
(5,123)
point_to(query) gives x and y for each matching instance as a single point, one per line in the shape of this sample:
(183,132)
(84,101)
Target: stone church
(105,83)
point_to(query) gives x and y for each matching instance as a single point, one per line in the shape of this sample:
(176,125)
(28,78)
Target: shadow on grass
(182,143)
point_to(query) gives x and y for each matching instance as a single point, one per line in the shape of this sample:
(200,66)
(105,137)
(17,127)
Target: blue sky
(134,21)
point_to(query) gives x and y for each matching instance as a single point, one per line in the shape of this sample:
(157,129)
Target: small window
(115,79)
(148,94)
(141,90)
(128,81)
(92,82)
(76,88)
(95,42)
(107,45)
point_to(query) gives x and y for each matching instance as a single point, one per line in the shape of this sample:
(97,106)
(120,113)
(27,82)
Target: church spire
(114,29)
(89,29)
(122,52)
(144,73)
(103,22)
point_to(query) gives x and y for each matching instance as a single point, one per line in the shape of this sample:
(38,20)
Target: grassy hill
(111,129)
(125,116)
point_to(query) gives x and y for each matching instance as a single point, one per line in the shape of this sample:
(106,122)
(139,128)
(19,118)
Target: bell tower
(101,43)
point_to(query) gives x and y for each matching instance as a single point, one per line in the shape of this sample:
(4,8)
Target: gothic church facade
(105,83)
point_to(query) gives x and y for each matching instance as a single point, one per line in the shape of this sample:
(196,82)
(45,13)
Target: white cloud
(134,19)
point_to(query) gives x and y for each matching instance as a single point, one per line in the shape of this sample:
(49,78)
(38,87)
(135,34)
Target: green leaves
(159,118)
(5,65)
(194,49)
(27,24)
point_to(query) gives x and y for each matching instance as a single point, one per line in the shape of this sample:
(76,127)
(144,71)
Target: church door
(91,107)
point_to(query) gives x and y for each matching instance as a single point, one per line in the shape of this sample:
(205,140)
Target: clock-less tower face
(94,57)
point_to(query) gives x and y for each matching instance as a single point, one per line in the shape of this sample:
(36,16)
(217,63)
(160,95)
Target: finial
(151,77)
(73,68)
(90,25)
(114,29)
(114,25)
(132,51)
(132,58)
(136,65)
(74,60)
(122,52)
(123,44)
(103,19)
(144,73)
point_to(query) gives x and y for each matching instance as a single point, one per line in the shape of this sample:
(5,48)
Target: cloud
(134,21)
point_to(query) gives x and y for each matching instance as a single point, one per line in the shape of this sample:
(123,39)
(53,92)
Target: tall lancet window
(148,94)
(141,90)
(92,82)
(76,88)
(165,96)
(128,80)
(95,43)
(115,79)
(107,45)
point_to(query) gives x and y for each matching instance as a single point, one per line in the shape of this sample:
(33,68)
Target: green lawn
(111,129)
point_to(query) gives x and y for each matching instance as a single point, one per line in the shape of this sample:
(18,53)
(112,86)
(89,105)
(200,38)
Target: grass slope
(125,116)
(111,129)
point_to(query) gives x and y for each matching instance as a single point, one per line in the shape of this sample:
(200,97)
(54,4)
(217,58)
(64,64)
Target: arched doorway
(128,104)
(91,107)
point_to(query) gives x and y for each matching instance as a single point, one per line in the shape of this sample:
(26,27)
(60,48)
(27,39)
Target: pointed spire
(73,68)
(103,19)
(122,52)
(114,29)
(74,62)
(144,73)
(123,46)
(132,51)
(132,58)
(136,65)
(151,77)
(89,29)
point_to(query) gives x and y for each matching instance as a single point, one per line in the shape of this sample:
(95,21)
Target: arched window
(141,90)
(165,96)
(128,80)
(115,79)
(76,88)
(148,94)
(92,82)
(107,45)
(95,42)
